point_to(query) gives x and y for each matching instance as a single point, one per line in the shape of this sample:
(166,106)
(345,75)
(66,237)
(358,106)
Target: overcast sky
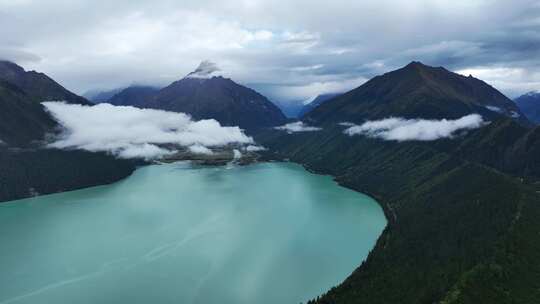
(288,50)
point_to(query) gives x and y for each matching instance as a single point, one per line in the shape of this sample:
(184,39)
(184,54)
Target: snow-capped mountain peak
(205,70)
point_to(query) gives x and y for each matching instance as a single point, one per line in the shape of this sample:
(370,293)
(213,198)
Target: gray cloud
(18,55)
(130,132)
(274,45)
(400,129)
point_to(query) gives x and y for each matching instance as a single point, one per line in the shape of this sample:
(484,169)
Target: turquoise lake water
(265,233)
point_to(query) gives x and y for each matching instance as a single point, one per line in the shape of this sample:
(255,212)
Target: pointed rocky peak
(422,69)
(206,70)
(419,66)
(416,65)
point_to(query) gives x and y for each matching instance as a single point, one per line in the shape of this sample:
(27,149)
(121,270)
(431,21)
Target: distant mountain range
(134,95)
(290,108)
(98,96)
(417,91)
(298,108)
(319,100)
(530,106)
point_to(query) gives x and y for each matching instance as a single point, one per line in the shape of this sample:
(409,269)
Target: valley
(453,163)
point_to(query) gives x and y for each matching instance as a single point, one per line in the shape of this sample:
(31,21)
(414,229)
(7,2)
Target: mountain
(319,100)
(27,166)
(205,96)
(22,119)
(504,145)
(417,91)
(37,85)
(97,96)
(529,104)
(290,108)
(133,96)
(462,212)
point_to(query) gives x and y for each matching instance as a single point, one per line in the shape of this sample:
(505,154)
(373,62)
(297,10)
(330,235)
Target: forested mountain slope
(462,211)
(28,168)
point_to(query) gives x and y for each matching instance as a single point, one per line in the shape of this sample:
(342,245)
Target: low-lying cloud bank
(495,109)
(401,129)
(252,148)
(298,126)
(130,132)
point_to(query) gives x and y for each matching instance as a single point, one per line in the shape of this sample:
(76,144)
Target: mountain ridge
(417,91)
(38,85)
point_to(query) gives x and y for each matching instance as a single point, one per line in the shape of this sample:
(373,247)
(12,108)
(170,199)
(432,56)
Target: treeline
(458,232)
(28,172)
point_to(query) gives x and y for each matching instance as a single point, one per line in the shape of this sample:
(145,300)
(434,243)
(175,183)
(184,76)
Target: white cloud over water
(253,148)
(401,129)
(198,149)
(130,132)
(298,126)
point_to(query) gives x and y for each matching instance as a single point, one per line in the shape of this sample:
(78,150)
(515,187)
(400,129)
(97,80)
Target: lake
(176,233)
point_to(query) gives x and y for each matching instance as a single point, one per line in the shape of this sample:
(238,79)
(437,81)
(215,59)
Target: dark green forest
(459,231)
(462,211)
(28,172)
